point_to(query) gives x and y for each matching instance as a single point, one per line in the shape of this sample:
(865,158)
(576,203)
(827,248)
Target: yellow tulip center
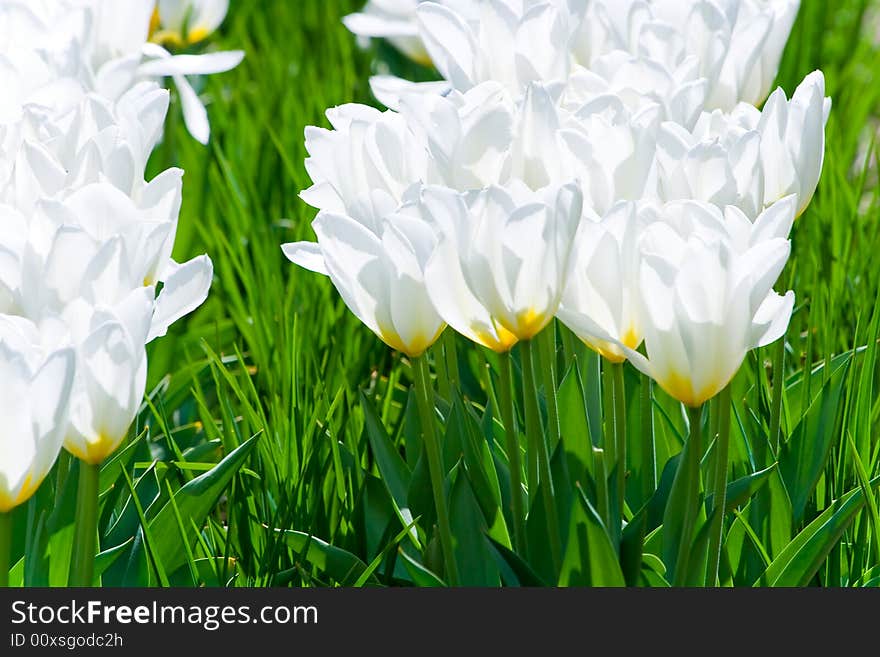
(95,452)
(631,339)
(501,342)
(28,488)
(418,345)
(197,34)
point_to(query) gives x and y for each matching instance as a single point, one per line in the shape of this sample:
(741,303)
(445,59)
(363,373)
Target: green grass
(321,478)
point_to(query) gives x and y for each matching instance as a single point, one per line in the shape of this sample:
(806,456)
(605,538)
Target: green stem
(568,351)
(693,454)
(442,374)
(538,446)
(649,454)
(63,470)
(778,385)
(608,414)
(722,448)
(619,440)
(5,547)
(601,465)
(85,541)
(451,352)
(513,456)
(547,346)
(435,467)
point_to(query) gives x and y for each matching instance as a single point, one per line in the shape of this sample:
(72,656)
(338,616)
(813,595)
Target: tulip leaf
(395,473)
(741,490)
(341,565)
(525,576)
(476,564)
(420,575)
(108,557)
(678,507)
(480,469)
(803,556)
(802,459)
(590,558)
(194,501)
(575,426)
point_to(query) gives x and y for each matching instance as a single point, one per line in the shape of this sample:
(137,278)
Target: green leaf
(675,515)
(741,490)
(525,575)
(802,459)
(590,558)
(804,555)
(108,557)
(421,576)
(475,562)
(395,473)
(341,565)
(194,501)
(575,426)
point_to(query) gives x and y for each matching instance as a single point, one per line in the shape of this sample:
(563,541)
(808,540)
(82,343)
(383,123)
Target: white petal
(215,62)
(772,318)
(307,255)
(184,291)
(195,116)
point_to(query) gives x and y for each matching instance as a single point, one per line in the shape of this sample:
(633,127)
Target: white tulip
(759,36)
(793,141)
(396,21)
(750,158)
(378,274)
(468,136)
(364,166)
(602,300)
(187,21)
(724,170)
(611,151)
(706,285)
(35,387)
(640,83)
(96,141)
(161,63)
(498,272)
(97,246)
(111,372)
(63,49)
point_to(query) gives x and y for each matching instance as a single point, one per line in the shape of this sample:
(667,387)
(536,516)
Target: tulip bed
(280,442)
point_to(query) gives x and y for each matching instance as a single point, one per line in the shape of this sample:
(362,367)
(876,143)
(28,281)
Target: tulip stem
(619,440)
(451,353)
(649,455)
(547,346)
(85,541)
(722,448)
(63,470)
(513,455)
(778,385)
(445,388)
(608,413)
(5,547)
(693,454)
(538,446)
(425,396)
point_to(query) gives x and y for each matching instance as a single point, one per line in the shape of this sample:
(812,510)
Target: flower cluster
(86,274)
(604,162)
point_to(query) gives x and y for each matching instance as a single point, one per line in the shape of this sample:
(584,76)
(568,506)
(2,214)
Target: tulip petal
(307,255)
(184,290)
(174,65)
